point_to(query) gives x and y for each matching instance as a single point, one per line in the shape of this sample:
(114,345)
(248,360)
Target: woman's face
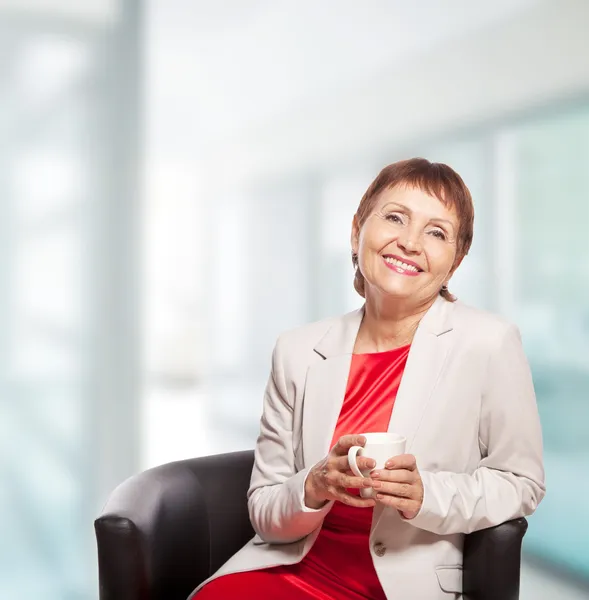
(407,246)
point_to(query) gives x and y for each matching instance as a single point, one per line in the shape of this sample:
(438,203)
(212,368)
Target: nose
(409,241)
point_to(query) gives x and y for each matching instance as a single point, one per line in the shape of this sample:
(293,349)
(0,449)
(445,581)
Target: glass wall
(550,301)
(68,332)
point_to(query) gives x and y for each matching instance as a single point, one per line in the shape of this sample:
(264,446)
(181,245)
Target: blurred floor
(175,427)
(537,584)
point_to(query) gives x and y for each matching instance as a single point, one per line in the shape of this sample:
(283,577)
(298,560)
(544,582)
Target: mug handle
(352,454)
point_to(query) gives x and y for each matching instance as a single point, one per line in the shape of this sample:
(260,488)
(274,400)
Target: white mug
(380,447)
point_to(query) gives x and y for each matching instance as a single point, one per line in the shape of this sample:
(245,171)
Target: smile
(401,267)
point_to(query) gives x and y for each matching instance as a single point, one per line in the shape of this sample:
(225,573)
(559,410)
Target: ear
(355,237)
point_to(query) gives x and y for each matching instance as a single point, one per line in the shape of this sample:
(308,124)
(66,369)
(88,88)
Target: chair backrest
(164,531)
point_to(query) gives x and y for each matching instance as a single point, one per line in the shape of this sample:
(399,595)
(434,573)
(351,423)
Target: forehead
(417,201)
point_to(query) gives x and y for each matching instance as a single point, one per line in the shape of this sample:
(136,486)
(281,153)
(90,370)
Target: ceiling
(232,65)
(94,11)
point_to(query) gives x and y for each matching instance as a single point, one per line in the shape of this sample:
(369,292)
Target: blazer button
(379,549)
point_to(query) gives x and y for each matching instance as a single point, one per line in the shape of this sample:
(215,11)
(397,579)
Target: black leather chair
(165,530)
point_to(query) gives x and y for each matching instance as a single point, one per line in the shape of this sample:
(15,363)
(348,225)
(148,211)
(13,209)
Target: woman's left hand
(399,485)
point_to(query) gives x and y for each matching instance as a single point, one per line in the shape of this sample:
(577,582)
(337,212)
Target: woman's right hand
(331,478)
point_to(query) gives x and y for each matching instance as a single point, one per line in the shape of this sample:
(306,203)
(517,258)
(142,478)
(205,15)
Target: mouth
(405,267)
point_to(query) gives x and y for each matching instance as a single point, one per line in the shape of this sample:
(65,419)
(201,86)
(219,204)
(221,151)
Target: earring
(444,288)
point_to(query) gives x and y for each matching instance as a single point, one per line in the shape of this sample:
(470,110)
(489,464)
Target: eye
(438,233)
(394,218)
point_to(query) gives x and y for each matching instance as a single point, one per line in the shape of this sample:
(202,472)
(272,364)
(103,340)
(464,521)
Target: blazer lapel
(424,365)
(324,395)
(325,387)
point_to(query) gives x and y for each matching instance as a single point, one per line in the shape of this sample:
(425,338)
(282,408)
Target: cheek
(375,237)
(441,259)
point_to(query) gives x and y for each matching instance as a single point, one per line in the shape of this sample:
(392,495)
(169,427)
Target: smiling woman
(412,361)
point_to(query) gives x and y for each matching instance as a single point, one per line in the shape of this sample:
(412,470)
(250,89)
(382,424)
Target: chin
(400,295)
(395,291)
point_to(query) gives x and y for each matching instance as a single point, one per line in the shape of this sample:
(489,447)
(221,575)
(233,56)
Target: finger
(403,461)
(403,504)
(364,463)
(341,480)
(346,442)
(394,476)
(401,490)
(353,482)
(357,501)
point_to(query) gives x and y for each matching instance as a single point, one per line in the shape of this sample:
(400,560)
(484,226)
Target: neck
(389,325)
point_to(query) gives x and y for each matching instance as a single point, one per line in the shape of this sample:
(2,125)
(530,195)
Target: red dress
(339,565)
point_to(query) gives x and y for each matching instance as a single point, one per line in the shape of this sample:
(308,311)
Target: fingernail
(375,474)
(376,484)
(371,464)
(389,465)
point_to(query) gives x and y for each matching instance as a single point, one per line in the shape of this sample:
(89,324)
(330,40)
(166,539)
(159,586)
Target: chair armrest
(492,561)
(164,531)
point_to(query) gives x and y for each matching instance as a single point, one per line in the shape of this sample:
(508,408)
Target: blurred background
(177,183)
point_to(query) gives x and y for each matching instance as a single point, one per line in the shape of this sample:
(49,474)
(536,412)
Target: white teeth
(402,265)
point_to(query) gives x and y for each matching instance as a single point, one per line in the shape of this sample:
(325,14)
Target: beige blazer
(466,404)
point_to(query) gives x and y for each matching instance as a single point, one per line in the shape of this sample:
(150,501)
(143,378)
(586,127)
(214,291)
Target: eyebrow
(408,210)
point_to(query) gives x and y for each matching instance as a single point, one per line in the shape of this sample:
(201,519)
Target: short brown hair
(438,180)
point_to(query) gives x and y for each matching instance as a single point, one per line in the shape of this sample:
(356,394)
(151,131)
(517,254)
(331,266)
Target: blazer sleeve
(509,480)
(276,495)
